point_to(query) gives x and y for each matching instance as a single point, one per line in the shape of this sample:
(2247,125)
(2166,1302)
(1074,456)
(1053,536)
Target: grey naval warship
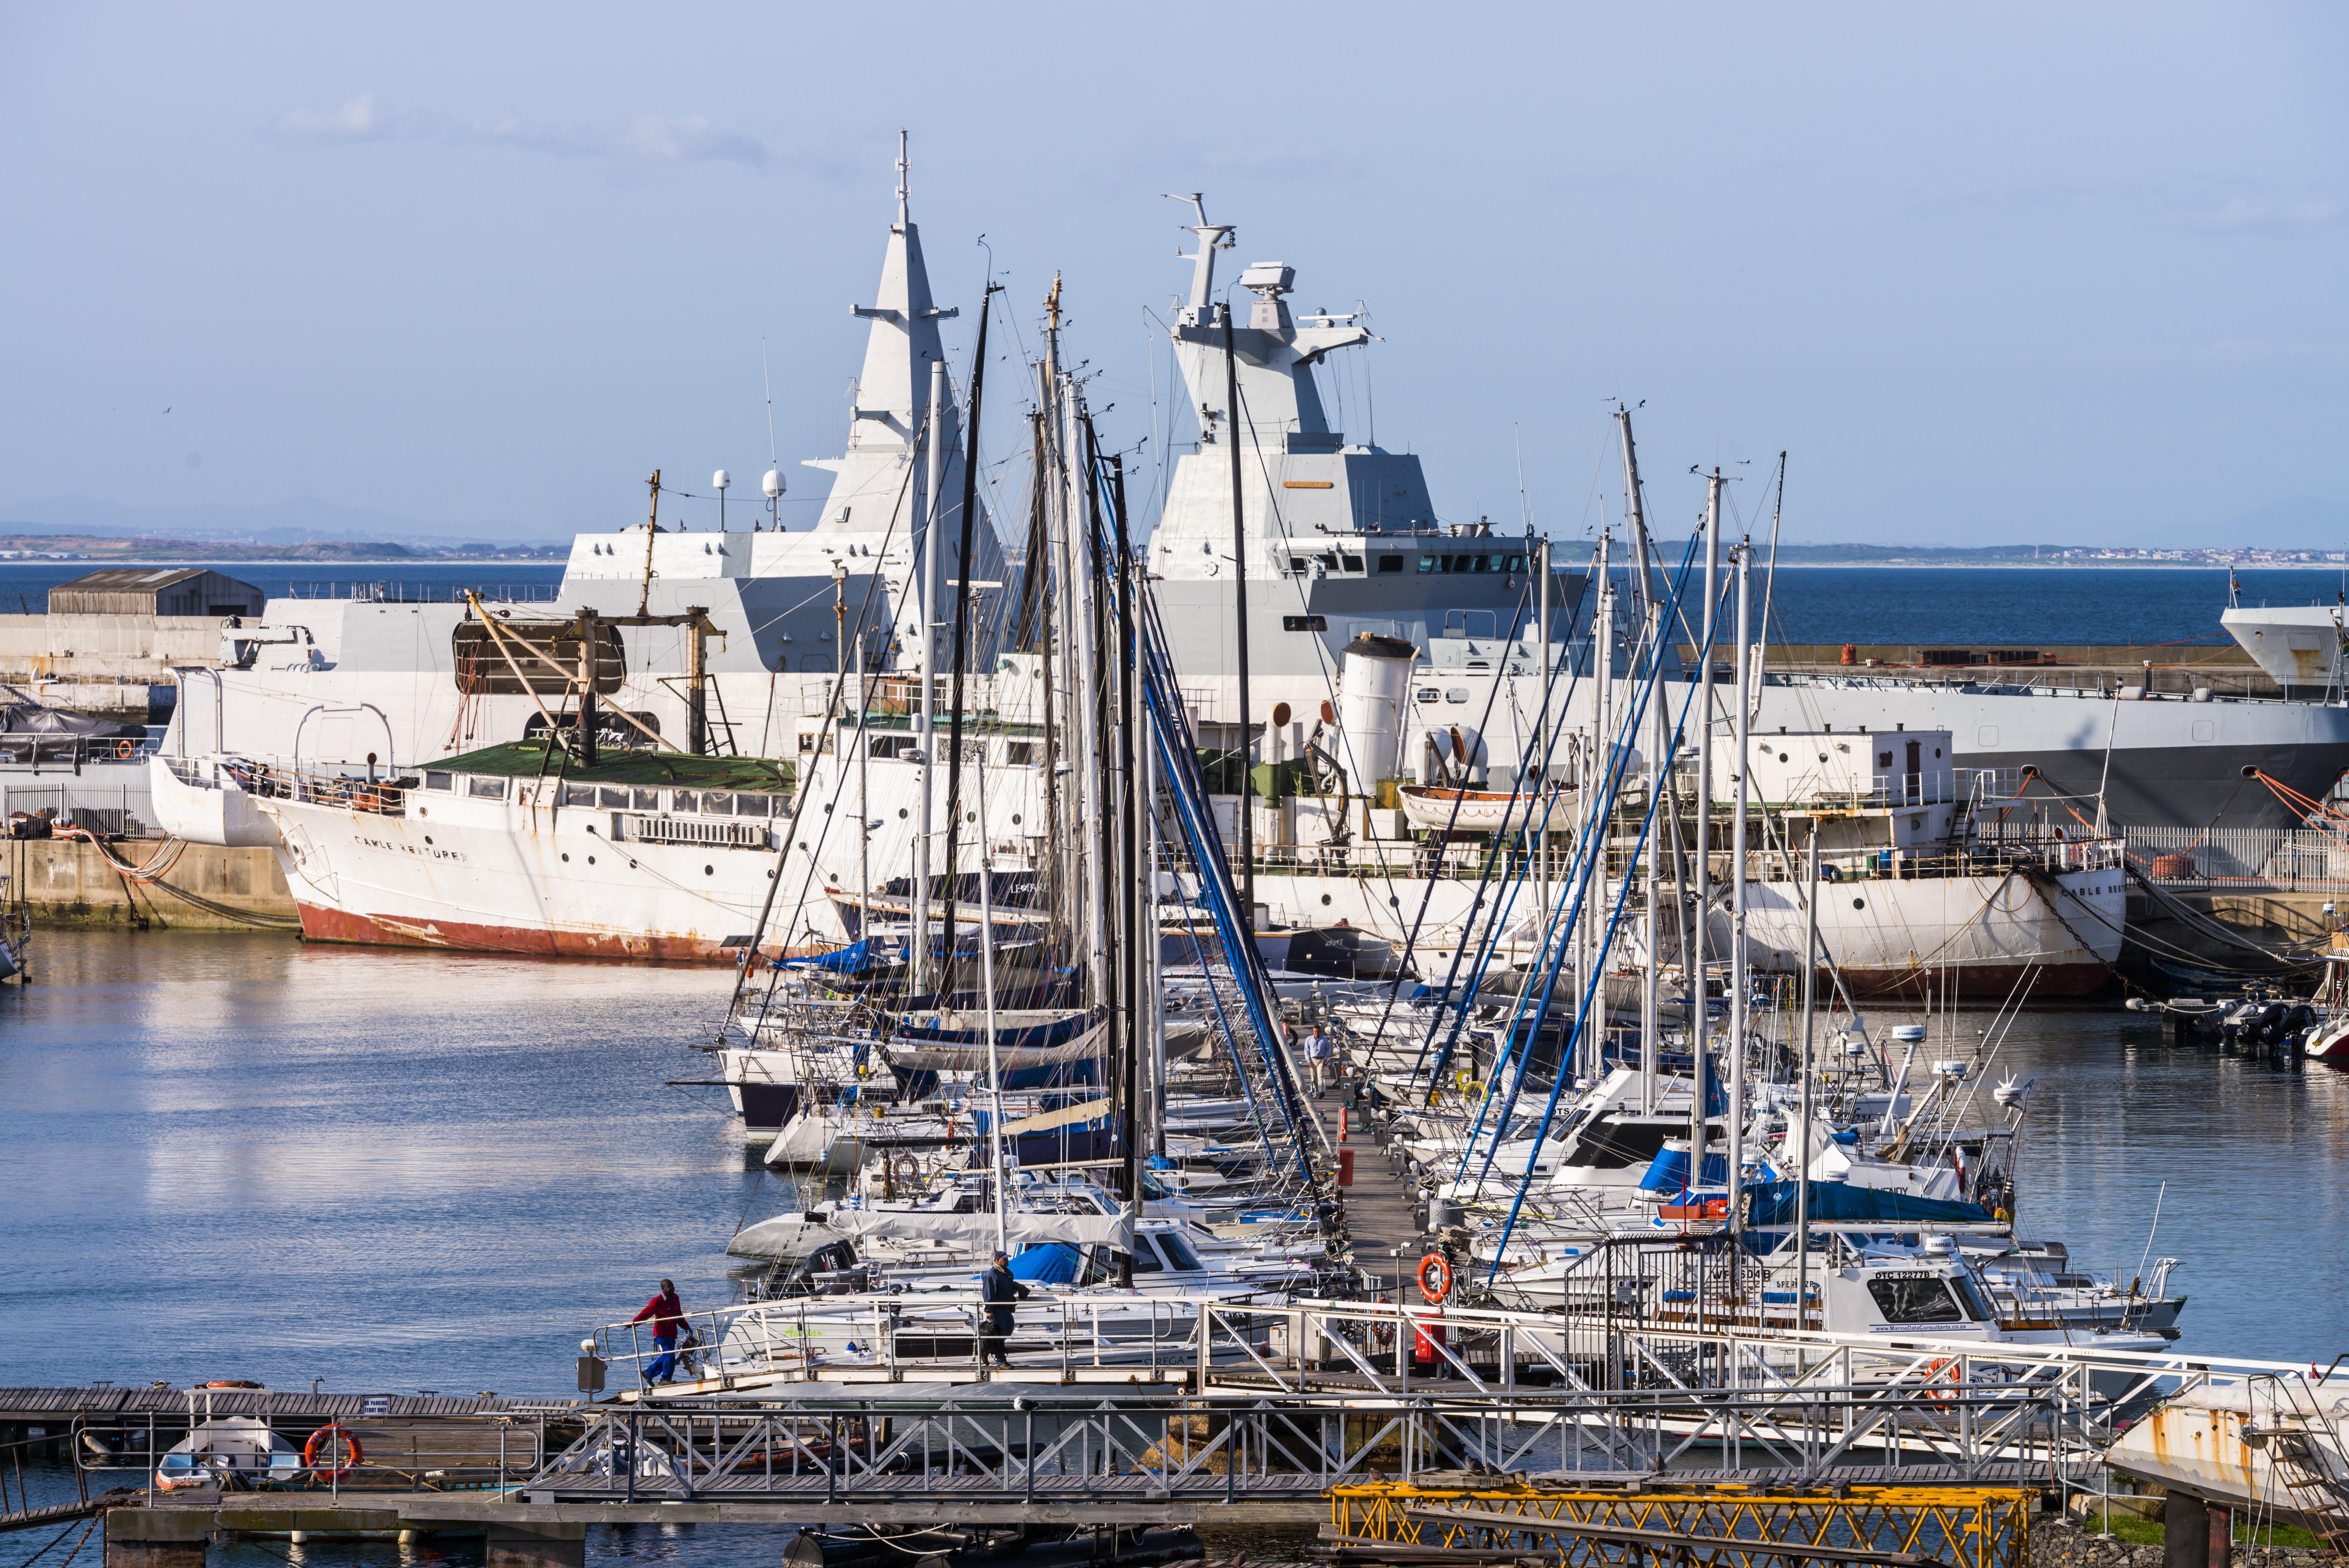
(1343,539)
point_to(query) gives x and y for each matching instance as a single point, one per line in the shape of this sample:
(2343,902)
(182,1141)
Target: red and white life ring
(323,1441)
(1435,1277)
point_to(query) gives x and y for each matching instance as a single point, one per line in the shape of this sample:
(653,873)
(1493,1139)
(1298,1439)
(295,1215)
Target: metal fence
(2246,859)
(387,593)
(111,799)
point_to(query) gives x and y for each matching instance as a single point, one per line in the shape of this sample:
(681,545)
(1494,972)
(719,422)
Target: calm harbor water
(2002,605)
(243,1156)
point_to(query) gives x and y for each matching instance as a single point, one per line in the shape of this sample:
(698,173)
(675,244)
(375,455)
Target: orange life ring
(1946,1364)
(1437,1266)
(125,749)
(232,1383)
(323,1441)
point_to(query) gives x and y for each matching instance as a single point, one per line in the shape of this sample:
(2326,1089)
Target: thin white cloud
(640,138)
(360,119)
(2242,215)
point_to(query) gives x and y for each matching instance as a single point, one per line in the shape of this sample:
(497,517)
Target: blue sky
(1991,273)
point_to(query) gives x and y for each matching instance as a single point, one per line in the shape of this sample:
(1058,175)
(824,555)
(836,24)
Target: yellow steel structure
(1727,1526)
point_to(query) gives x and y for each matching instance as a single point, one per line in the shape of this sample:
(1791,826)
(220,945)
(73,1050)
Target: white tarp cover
(977,1231)
(789,1236)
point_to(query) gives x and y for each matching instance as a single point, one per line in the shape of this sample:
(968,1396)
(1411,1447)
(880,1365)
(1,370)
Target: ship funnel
(1371,689)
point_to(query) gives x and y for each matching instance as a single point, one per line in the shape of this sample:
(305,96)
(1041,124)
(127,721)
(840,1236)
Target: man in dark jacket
(998,1290)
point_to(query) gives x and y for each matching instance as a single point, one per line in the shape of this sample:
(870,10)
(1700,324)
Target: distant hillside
(94,548)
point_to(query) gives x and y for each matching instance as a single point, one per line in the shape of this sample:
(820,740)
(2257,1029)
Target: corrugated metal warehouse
(156,590)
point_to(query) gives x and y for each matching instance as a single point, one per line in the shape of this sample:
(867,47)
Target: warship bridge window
(1353,562)
(1304,623)
(1914,1298)
(1389,564)
(438,781)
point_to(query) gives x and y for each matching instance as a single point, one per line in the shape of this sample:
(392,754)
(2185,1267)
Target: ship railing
(380,796)
(381,592)
(1894,791)
(2244,859)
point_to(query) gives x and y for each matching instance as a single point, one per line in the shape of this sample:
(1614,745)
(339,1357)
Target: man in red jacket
(667,1316)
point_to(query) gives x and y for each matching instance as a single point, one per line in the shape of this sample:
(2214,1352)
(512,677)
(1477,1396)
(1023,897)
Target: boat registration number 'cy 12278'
(426,852)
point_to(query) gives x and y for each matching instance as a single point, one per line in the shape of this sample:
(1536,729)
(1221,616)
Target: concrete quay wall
(208,887)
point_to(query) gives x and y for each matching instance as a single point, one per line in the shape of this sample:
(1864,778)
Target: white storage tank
(1372,688)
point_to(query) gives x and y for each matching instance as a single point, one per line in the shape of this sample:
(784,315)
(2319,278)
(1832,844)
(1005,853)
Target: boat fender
(321,1441)
(1435,1277)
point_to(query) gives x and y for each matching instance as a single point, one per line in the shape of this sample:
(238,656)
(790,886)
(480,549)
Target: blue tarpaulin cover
(1840,1203)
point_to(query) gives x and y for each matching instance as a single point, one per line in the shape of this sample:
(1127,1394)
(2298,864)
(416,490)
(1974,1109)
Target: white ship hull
(516,879)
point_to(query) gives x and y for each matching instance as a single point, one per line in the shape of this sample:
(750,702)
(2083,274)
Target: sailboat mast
(925,726)
(1658,777)
(1130,947)
(1737,956)
(1541,733)
(1001,1178)
(1810,1016)
(963,591)
(1602,673)
(1103,761)
(1695,965)
(1636,509)
(1240,602)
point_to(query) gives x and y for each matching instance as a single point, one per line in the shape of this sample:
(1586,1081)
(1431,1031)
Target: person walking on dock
(1318,1050)
(668,1316)
(996,1291)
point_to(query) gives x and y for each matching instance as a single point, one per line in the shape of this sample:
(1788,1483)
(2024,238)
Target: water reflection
(242,1157)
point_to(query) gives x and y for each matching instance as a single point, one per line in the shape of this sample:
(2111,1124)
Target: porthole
(970,816)
(1859,903)
(1325,897)
(1014,819)
(827,811)
(428,838)
(901,813)
(803,845)
(591,860)
(709,870)
(566,859)
(1393,902)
